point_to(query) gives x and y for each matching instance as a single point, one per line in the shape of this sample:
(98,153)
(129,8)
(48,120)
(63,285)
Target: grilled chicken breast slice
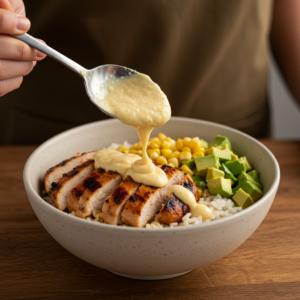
(61,189)
(77,191)
(115,203)
(144,203)
(55,173)
(95,195)
(174,209)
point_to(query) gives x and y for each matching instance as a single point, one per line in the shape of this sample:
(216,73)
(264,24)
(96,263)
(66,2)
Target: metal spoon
(93,78)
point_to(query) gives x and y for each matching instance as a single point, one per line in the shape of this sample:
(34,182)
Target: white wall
(285,116)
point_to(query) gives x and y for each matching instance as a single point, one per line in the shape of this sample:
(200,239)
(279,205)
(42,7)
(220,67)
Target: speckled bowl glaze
(142,253)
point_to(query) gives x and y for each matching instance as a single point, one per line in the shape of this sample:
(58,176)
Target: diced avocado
(222,153)
(253,190)
(204,144)
(220,186)
(214,173)
(234,156)
(199,182)
(228,174)
(196,172)
(250,178)
(205,162)
(242,199)
(239,185)
(255,175)
(246,163)
(235,167)
(220,141)
(190,163)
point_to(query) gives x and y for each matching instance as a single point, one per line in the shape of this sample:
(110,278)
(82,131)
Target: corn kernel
(154,145)
(198,154)
(168,139)
(162,136)
(174,161)
(200,192)
(187,170)
(153,155)
(171,165)
(197,149)
(161,160)
(139,152)
(154,139)
(166,145)
(149,151)
(139,146)
(166,152)
(122,149)
(133,151)
(185,155)
(174,154)
(186,140)
(173,148)
(134,146)
(179,144)
(186,149)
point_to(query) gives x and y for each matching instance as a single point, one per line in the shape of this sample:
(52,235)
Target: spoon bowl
(93,79)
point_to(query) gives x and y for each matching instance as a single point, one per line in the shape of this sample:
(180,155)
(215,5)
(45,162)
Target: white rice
(220,207)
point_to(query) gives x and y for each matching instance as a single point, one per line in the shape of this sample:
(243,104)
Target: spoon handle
(33,42)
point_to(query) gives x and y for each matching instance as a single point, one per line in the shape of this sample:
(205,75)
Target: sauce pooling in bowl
(140,103)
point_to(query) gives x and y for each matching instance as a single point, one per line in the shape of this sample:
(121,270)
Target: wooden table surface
(35,266)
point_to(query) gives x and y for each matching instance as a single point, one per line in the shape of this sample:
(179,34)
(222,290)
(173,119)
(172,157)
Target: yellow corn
(139,152)
(197,149)
(173,148)
(200,192)
(133,151)
(153,155)
(161,160)
(133,147)
(193,143)
(174,161)
(198,154)
(174,154)
(154,145)
(179,144)
(139,146)
(171,165)
(187,170)
(162,136)
(154,139)
(185,155)
(122,149)
(166,145)
(186,149)
(149,151)
(166,152)
(186,140)
(168,140)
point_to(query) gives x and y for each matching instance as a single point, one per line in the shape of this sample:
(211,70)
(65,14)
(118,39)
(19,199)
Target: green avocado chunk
(220,186)
(235,167)
(205,162)
(190,163)
(246,163)
(199,182)
(223,154)
(213,173)
(234,156)
(220,141)
(255,175)
(239,185)
(242,199)
(204,144)
(228,174)
(253,190)
(250,178)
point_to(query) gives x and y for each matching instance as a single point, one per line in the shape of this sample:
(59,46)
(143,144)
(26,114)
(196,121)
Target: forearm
(285,42)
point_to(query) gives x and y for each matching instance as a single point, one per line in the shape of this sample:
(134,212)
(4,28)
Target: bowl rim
(221,221)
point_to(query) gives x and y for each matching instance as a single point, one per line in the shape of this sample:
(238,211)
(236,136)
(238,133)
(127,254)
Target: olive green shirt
(210,57)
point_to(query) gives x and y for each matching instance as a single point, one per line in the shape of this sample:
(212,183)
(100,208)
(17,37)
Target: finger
(5,5)
(14,49)
(9,85)
(11,23)
(10,68)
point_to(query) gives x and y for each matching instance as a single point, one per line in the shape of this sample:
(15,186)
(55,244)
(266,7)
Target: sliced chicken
(61,189)
(115,203)
(55,173)
(144,203)
(175,209)
(95,195)
(77,191)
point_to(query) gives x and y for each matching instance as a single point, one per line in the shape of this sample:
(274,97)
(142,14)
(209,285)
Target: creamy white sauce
(187,197)
(138,102)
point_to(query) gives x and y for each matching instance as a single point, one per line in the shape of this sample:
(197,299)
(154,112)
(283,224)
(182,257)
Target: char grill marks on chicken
(144,203)
(61,190)
(174,209)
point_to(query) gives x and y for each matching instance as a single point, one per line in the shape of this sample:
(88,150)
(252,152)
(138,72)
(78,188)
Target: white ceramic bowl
(139,252)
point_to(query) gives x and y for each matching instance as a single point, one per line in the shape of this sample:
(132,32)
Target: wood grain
(34,266)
